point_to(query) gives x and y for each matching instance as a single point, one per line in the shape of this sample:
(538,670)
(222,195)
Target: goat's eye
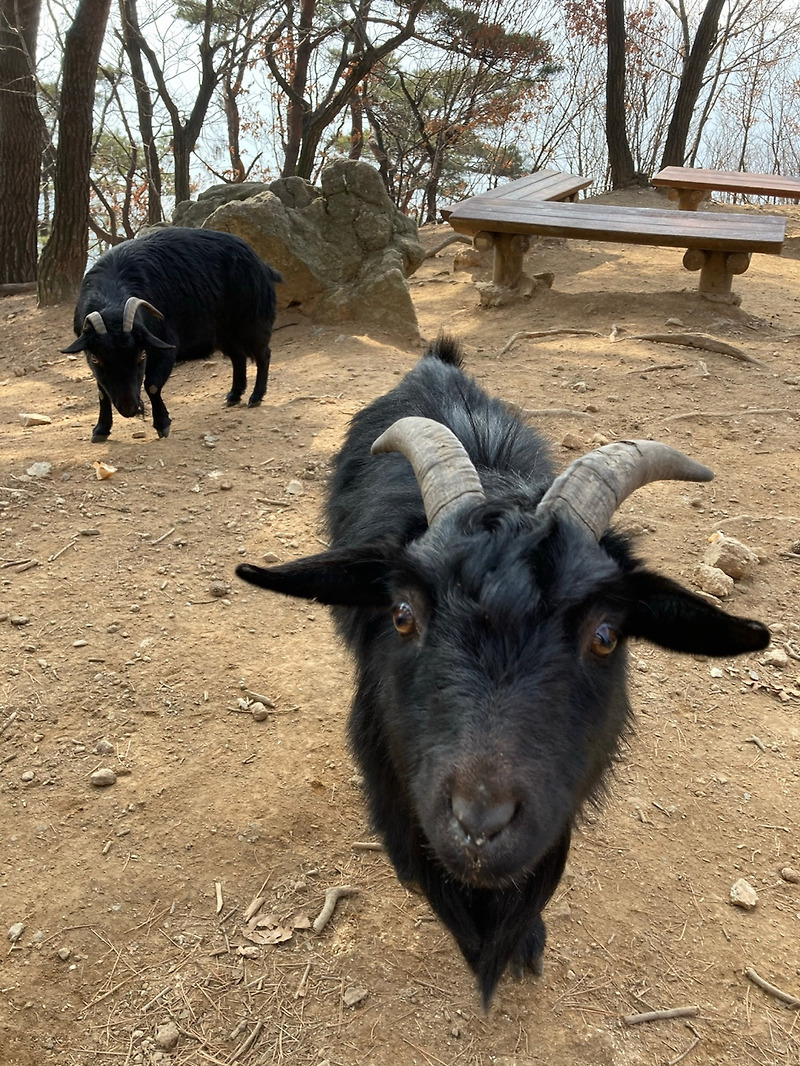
(403,617)
(605,639)
(94,359)
(140,358)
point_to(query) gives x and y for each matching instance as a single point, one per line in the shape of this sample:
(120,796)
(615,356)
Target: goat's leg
(104,419)
(262,374)
(239,384)
(161,419)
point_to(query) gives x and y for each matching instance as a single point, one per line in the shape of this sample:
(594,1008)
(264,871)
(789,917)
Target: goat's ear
(352,577)
(668,614)
(78,345)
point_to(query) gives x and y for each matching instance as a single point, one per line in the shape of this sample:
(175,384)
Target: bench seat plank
(541,185)
(734,181)
(626,225)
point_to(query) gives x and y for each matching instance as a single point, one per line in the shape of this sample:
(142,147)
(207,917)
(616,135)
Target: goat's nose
(482,816)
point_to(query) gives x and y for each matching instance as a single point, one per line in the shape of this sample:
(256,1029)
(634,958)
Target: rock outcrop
(344,249)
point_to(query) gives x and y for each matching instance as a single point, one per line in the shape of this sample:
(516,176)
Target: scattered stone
(89,532)
(219,589)
(712,580)
(791,875)
(80,643)
(19,620)
(775,657)
(295,487)
(575,444)
(63,954)
(270,557)
(226,486)
(731,556)
(743,894)
(209,440)
(27,776)
(167,1036)
(39,470)
(104,747)
(16,931)
(103,777)
(354,995)
(29,419)
(674,322)
(259,711)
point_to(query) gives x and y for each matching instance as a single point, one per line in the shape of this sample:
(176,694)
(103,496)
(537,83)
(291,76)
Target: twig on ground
(699,340)
(454,238)
(564,412)
(245,1046)
(52,558)
(259,698)
(758,743)
(367,845)
(162,537)
(332,896)
(661,1015)
(218,894)
(300,991)
(772,990)
(8,721)
(658,366)
(683,1054)
(537,333)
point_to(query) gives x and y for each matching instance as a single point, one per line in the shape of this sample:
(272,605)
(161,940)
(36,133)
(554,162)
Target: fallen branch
(454,238)
(699,340)
(735,414)
(11,288)
(539,412)
(8,721)
(367,845)
(659,366)
(683,1054)
(771,990)
(661,1015)
(538,333)
(245,1046)
(332,897)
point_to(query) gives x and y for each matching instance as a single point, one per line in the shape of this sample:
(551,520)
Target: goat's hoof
(232,401)
(163,432)
(255,401)
(99,437)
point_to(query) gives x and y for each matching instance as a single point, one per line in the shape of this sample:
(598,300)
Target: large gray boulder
(344,249)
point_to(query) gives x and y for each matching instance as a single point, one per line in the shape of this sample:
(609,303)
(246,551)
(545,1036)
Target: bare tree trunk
(619,153)
(22,138)
(690,85)
(144,103)
(357,127)
(296,111)
(63,260)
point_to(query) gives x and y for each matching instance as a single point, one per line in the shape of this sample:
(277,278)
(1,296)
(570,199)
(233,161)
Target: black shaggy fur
(214,293)
(490,660)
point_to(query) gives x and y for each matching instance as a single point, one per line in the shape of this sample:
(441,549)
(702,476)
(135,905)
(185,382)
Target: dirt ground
(122,625)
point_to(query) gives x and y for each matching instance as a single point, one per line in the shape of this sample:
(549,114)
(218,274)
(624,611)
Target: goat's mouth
(129,406)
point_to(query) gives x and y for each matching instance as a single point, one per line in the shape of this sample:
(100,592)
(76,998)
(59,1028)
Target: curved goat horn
(132,305)
(594,486)
(94,318)
(444,472)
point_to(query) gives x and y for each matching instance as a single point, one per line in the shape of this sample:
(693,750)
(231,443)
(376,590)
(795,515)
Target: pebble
(39,470)
(674,322)
(19,620)
(27,777)
(103,777)
(712,580)
(775,657)
(80,643)
(731,556)
(354,995)
(259,711)
(167,1036)
(16,931)
(575,444)
(104,747)
(30,419)
(63,954)
(219,589)
(791,875)
(270,557)
(743,894)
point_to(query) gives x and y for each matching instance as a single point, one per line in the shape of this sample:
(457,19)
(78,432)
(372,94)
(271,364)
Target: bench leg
(716,268)
(509,250)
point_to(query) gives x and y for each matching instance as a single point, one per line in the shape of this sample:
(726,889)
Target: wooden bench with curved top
(691,185)
(718,245)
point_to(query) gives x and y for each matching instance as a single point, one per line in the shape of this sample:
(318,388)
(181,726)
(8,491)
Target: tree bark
(144,104)
(690,85)
(619,152)
(22,137)
(63,260)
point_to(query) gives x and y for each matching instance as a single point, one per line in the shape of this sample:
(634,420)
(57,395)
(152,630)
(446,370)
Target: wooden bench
(690,186)
(541,185)
(718,245)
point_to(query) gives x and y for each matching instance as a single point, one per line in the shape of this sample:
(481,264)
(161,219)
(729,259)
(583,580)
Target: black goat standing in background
(170,295)
(488,608)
